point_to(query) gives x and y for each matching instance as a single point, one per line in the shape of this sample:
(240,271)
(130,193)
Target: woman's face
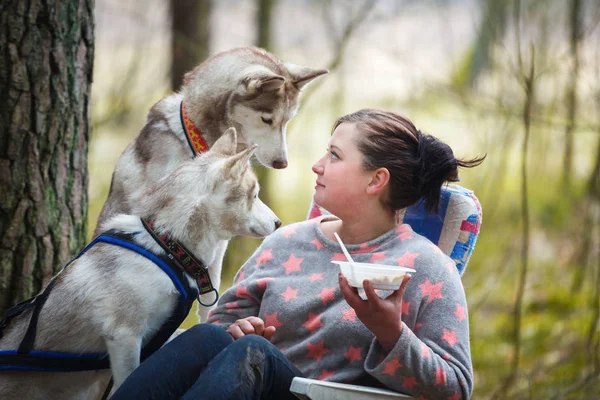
(341,179)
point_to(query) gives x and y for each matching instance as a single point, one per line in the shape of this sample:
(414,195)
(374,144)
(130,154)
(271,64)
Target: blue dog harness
(25,358)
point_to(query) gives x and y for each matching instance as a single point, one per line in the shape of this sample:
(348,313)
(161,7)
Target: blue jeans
(205,363)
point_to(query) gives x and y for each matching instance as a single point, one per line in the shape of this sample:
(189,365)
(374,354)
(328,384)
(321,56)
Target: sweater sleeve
(431,358)
(243,298)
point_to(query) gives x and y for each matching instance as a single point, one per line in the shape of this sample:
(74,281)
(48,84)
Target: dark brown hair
(418,163)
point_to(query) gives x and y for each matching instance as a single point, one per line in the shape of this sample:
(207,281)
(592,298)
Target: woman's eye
(267,121)
(333,154)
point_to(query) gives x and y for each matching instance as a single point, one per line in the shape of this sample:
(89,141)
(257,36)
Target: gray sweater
(290,283)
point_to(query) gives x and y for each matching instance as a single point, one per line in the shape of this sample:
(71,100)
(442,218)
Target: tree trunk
(45,76)
(263,23)
(263,40)
(575,36)
(190,36)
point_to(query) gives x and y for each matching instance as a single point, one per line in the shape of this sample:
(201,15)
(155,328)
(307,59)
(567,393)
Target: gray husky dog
(113,300)
(246,88)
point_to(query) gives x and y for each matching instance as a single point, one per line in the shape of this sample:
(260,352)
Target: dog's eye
(267,121)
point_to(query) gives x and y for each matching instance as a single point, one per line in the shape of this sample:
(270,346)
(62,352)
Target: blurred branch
(341,42)
(528,81)
(575,38)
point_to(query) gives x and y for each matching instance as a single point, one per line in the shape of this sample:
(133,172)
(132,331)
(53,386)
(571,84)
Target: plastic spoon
(350,260)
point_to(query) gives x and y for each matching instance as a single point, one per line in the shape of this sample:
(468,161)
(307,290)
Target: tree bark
(47,52)
(190,40)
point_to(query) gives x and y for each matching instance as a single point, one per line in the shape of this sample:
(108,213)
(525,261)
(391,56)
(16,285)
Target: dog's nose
(279,164)
(277,224)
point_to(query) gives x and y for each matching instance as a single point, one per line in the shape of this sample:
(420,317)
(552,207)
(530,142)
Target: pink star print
(434,291)
(327,294)
(418,325)
(455,396)
(271,320)
(450,337)
(290,294)
(262,282)
(338,257)
(446,356)
(232,305)
(450,266)
(288,231)
(403,228)
(405,307)
(317,351)
(353,354)
(317,243)
(424,351)
(364,248)
(391,367)
(316,277)
(440,376)
(460,312)
(292,264)
(241,276)
(409,382)
(264,257)
(376,257)
(242,291)
(325,374)
(349,315)
(407,260)
(313,322)
(405,235)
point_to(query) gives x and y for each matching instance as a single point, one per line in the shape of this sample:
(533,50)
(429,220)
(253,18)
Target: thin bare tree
(576,29)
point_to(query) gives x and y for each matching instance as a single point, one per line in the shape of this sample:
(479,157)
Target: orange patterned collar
(192,133)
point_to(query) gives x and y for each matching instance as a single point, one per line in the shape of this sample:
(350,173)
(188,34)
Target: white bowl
(384,277)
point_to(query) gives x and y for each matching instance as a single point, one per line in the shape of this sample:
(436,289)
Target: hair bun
(436,166)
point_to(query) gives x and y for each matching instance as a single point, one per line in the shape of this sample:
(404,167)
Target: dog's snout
(277,224)
(280,164)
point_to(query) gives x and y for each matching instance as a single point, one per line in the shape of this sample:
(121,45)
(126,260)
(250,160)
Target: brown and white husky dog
(246,88)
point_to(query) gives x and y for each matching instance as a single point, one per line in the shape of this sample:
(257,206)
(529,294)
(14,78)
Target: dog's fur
(112,299)
(243,88)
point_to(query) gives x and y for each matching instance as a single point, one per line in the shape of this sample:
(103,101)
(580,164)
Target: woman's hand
(250,326)
(383,317)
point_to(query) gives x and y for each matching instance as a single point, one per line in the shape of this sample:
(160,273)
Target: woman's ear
(379,181)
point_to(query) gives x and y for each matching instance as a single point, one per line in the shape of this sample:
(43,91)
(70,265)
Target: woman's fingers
(397,296)
(269,332)
(374,300)
(258,324)
(235,331)
(349,293)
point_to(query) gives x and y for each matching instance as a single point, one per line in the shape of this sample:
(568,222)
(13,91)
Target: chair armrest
(321,390)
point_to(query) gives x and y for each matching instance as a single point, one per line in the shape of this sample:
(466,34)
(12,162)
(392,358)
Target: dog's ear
(238,164)
(227,144)
(301,76)
(263,80)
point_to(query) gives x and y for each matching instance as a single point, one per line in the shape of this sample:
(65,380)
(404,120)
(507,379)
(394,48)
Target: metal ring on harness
(211,304)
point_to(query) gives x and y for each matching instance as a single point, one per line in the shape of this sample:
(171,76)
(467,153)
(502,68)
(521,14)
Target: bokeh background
(516,80)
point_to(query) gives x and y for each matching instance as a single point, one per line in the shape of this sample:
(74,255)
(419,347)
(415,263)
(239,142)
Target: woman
(291,313)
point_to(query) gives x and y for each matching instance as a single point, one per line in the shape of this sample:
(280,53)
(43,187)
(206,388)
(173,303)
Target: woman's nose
(317,168)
